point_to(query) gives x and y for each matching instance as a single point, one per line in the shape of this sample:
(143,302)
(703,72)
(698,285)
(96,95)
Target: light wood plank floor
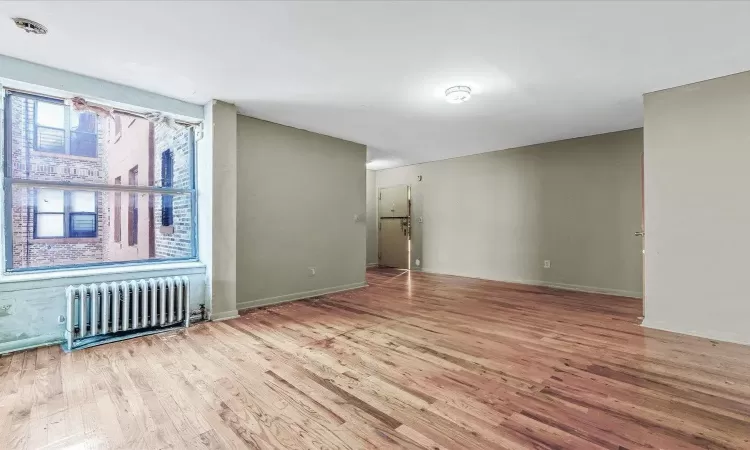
(413,361)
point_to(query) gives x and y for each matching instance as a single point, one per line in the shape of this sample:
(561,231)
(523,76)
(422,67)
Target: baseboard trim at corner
(563,286)
(226,315)
(298,296)
(369,265)
(732,338)
(589,289)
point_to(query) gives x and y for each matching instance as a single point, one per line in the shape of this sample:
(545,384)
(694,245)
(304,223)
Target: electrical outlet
(547,264)
(60,319)
(311,271)
(417,262)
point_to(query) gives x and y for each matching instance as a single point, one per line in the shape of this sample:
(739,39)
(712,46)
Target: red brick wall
(175,242)
(27,163)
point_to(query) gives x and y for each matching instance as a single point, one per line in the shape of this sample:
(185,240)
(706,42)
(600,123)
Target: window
(118,127)
(64,214)
(118,212)
(166,181)
(50,127)
(74,198)
(58,129)
(133,208)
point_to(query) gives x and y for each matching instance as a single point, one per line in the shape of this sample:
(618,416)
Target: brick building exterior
(132,144)
(29,251)
(174,241)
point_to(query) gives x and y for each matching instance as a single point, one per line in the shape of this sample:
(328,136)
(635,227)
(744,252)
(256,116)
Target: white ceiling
(374,72)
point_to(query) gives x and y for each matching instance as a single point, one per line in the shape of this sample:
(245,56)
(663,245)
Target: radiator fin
(110,309)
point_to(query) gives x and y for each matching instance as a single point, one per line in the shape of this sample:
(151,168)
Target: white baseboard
(725,336)
(226,315)
(298,296)
(564,286)
(591,289)
(413,269)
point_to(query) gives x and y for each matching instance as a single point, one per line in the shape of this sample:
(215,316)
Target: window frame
(6,96)
(67,213)
(66,130)
(66,125)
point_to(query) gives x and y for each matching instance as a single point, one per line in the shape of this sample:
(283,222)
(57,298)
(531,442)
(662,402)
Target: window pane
(82,225)
(82,246)
(50,114)
(118,126)
(83,201)
(167,210)
(117,221)
(50,225)
(50,140)
(83,121)
(83,144)
(100,156)
(50,200)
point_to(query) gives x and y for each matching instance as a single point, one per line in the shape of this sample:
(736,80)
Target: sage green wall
(499,215)
(298,194)
(223,271)
(697,155)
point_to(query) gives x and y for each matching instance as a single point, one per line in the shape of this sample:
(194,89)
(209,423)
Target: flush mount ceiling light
(458,94)
(30,26)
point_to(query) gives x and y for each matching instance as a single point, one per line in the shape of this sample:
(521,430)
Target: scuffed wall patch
(31,313)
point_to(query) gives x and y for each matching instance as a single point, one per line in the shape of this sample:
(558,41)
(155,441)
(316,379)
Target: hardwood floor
(413,361)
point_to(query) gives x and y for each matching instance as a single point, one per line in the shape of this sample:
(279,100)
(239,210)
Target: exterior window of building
(72,190)
(118,127)
(166,181)
(58,129)
(118,212)
(62,214)
(133,208)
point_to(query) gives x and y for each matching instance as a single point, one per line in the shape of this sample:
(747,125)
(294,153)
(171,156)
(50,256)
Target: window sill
(51,241)
(121,271)
(64,156)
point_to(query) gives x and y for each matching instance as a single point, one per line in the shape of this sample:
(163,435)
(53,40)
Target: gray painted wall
(298,193)
(372,223)
(499,215)
(697,157)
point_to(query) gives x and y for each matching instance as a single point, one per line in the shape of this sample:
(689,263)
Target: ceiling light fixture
(458,94)
(30,26)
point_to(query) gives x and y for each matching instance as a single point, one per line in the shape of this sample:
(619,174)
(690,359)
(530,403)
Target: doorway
(394,227)
(642,234)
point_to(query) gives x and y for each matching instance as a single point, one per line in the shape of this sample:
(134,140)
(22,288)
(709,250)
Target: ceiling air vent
(30,26)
